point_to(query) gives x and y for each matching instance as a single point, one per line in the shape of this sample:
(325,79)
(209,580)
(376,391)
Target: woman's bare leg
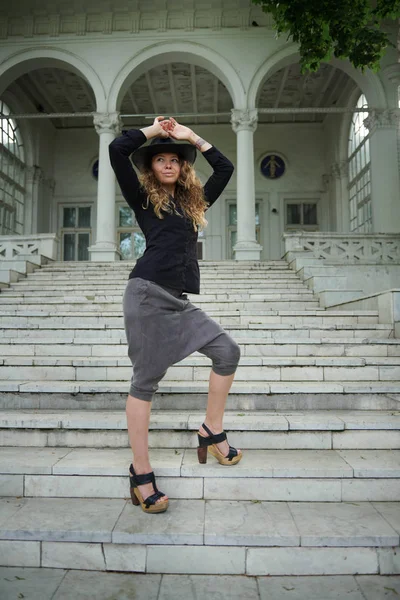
(218,390)
(138,417)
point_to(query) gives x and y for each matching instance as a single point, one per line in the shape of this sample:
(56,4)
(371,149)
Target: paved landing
(61,584)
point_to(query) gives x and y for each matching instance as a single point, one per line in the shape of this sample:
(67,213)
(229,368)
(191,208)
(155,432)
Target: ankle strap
(142,479)
(216,438)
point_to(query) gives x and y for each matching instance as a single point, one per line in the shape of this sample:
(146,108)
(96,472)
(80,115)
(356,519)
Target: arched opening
(178,88)
(177,52)
(61,189)
(12,175)
(172,89)
(288,88)
(57,90)
(313,195)
(368,82)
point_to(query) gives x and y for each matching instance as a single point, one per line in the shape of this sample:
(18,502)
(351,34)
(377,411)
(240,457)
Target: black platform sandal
(150,504)
(209,443)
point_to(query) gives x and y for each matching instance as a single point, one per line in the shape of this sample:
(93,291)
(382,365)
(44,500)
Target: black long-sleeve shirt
(170,258)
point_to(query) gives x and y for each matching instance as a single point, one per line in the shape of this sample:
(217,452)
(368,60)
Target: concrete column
(385,180)
(33,178)
(107,125)
(244,124)
(38,202)
(340,195)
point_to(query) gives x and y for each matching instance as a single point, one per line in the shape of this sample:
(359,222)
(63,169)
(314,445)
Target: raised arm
(120,150)
(222,167)
(222,172)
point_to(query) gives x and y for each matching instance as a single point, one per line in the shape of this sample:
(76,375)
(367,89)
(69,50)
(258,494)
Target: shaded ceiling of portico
(53,90)
(177,88)
(288,88)
(169,89)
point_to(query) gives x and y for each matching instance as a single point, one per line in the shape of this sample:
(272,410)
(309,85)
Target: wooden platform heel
(209,444)
(150,504)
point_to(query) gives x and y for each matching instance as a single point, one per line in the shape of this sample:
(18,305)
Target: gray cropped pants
(162,328)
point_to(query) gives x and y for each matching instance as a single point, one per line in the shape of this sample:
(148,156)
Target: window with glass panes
(76,232)
(301,214)
(360,172)
(131,240)
(232,226)
(12,175)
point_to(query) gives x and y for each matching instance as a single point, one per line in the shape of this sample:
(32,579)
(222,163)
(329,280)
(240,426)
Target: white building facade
(221,70)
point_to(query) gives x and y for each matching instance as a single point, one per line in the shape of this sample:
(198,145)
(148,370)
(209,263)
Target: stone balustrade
(346,248)
(12,247)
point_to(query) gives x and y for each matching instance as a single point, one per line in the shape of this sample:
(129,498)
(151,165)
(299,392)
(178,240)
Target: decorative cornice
(50,183)
(34,174)
(326,179)
(132,16)
(340,169)
(107,123)
(244,119)
(382,119)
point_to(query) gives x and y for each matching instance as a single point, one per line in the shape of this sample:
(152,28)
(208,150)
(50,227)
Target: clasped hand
(171,128)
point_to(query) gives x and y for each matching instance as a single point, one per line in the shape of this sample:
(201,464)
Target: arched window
(12,175)
(360,172)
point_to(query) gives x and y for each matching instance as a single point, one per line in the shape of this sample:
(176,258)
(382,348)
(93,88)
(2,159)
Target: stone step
(259,420)
(250,370)
(101,348)
(120,283)
(222,317)
(69,297)
(295,314)
(47,292)
(220,305)
(203,536)
(126,270)
(204,267)
(278,344)
(255,430)
(185,390)
(188,420)
(223,279)
(121,268)
(61,395)
(198,361)
(114,304)
(267,330)
(267,475)
(204,264)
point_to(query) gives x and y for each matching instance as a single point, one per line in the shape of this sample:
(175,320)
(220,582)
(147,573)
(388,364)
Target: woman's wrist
(198,141)
(150,132)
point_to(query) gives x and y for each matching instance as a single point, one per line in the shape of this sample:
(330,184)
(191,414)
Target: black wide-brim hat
(141,158)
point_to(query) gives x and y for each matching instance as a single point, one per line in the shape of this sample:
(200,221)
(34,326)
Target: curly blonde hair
(188,194)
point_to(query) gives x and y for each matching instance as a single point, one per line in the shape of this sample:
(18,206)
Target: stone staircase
(315,406)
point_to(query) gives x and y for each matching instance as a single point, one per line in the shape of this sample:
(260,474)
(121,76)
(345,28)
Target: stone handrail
(13,246)
(346,248)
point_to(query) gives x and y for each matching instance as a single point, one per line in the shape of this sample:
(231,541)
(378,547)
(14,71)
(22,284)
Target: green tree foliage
(349,29)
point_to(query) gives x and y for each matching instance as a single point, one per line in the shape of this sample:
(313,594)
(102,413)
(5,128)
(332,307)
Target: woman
(162,326)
